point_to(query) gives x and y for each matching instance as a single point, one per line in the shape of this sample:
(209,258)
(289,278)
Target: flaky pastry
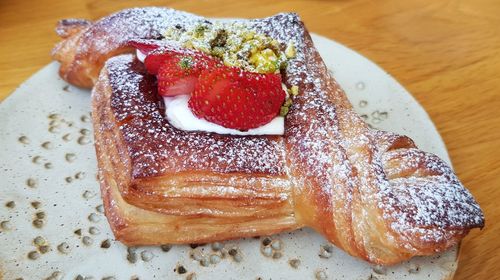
(372,193)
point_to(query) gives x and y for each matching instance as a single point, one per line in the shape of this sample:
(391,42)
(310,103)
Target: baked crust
(168,170)
(87,45)
(200,214)
(372,193)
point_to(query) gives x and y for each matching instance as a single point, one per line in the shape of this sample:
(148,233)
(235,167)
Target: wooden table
(446,53)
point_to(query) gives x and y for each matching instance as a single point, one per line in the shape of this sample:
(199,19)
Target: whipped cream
(180,116)
(140,55)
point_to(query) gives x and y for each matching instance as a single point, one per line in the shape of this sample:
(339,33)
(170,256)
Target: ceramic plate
(51,221)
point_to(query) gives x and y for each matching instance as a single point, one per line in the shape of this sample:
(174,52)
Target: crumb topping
(235,44)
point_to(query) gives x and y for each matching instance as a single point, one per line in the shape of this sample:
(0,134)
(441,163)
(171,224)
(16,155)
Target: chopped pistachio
(235,44)
(220,39)
(285,108)
(274,45)
(199,30)
(290,51)
(294,90)
(188,44)
(186,63)
(248,35)
(172,33)
(218,52)
(265,61)
(283,64)
(284,111)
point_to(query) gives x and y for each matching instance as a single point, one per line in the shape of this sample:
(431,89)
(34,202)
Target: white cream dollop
(180,116)
(140,55)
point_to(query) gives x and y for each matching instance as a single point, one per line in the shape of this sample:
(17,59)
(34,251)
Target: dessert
(372,193)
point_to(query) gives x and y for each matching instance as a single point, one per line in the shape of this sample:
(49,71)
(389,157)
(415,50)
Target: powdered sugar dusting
(327,148)
(419,195)
(428,200)
(157,148)
(117,29)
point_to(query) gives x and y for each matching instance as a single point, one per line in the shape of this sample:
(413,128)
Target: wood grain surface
(446,53)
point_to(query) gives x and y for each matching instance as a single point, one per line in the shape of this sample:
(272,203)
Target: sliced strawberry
(237,99)
(178,74)
(157,57)
(145,46)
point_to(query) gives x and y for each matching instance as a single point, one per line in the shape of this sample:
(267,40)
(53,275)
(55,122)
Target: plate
(51,220)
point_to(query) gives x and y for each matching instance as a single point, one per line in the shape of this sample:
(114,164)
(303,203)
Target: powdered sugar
(326,148)
(128,24)
(327,139)
(158,148)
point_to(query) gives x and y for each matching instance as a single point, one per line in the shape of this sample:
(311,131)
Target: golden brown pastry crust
(82,56)
(372,193)
(232,216)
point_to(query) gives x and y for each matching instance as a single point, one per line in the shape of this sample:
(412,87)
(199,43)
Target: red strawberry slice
(158,51)
(145,46)
(178,74)
(157,57)
(237,99)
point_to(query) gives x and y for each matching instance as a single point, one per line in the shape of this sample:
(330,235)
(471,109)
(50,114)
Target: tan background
(446,53)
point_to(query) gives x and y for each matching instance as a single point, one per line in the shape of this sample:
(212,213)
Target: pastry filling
(181,117)
(221,78)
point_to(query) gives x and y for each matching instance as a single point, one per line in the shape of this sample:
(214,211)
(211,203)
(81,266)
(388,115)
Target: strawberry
(158,51)
(178,74)
(237,99)
(155,59)
(144,46)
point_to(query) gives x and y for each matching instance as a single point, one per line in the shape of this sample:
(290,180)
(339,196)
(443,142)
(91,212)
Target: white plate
(47,156)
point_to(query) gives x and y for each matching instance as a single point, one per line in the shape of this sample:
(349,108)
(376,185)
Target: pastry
(85,46)
(372,193)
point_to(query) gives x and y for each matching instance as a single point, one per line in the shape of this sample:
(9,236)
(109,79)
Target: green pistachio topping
(290,50)
(186,63)
(284,111)
(236,45)
(199,30)
(285,108)
(291,93)
(294,90)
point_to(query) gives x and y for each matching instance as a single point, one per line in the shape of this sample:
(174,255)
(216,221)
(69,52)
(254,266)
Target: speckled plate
(51,221)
